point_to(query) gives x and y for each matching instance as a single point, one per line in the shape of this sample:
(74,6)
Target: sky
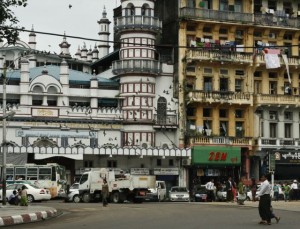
(55,16)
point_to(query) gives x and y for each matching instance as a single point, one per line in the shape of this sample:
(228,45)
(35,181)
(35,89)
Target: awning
(39,156)
(216,155)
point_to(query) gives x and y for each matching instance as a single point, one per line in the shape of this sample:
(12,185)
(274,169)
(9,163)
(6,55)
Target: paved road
(162,215)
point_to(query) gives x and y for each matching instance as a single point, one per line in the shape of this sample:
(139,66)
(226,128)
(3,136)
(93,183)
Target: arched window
(130,10)
(161,110)
(146,11)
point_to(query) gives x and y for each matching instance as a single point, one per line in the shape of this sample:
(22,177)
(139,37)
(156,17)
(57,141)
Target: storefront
(287,165)
(214,162)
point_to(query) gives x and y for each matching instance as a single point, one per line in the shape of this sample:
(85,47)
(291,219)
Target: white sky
(54,16)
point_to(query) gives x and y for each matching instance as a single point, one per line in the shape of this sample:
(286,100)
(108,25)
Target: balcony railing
(277,142)
(216,15)
(223,140)
(219,55)
(168,120)
(137,23)
(268,99)
(136,66)
(292,61)
(237,17)
(220,96)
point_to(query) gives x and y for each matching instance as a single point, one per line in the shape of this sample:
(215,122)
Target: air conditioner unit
(186,162)
(272,117)
(166,145)
(145,144)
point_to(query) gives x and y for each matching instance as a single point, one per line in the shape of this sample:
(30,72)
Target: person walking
(104,192)
(294,190)
(286,190)
(210,187)
(229,194)
(241,190)
(264,206)
(273,216)
(253,188)
(276,192)
(23,200)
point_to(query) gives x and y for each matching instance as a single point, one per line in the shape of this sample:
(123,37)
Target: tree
(8,20)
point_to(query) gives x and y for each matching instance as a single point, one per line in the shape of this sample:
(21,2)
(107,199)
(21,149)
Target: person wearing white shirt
(294,190)
(264,207)
(210,187)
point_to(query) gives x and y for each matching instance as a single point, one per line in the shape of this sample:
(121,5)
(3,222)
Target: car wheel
(30,198)
(115,197)
(76,199)
(86,198)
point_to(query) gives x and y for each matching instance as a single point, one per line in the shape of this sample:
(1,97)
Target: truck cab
(158,193)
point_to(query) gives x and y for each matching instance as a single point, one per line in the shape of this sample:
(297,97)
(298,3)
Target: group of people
(19,197)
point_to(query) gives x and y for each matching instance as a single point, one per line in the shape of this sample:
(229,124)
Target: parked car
(158,193)
(221,194)
(177,193)
(200,193)
(73,194)
(34,193)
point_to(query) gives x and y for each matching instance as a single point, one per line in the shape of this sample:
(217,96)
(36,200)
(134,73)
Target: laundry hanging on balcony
(286,62)
(272,58)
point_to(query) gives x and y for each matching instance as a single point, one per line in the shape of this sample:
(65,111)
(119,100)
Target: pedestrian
(264,206)
(253,188)
(234,190)
(276,192)
(104,192)
(294,190)
(13,198)
(229,194)
(241,190)
(210,187)
(24,201)
(273,216)
(286,190)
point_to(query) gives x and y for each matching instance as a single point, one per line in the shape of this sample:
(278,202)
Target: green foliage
(8,19)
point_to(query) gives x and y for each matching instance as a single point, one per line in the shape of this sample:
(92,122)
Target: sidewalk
(278,205)
(10,215)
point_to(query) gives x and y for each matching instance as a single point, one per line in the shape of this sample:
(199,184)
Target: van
(158,193)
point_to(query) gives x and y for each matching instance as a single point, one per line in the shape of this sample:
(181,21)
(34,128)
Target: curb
(27,218)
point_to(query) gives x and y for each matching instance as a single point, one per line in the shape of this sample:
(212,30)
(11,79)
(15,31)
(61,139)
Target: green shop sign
(216,155)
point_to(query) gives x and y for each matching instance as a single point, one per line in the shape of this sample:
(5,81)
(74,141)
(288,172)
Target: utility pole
(4,144)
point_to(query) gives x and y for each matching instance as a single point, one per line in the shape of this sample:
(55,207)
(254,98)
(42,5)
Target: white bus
(51,176)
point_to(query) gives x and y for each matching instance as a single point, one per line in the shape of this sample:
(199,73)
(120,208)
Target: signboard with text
(287,157)
(166,171)
(139,171)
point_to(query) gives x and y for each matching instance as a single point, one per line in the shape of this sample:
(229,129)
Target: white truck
(121,187)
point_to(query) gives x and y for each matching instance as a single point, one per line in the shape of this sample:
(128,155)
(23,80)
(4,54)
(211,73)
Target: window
(64,142)
(84,178)
(207,112)
(239,113)
(288,130)
(94,142)
(32,173)
(112,164)
(25,141)
(288,115)
(207,84)
(239,129)
(207,127)
(191,111)
(238,85)
(171,162)
(161,110)
(223,84)
(273,88)
(223,113)
(272,74)
(238,6)
(257,87)
(257,6)
(273,115)
(223,128)
(273,130)
(224,5)
(158,162)
(191,4)
(45,174)
(272,5)
(88,164)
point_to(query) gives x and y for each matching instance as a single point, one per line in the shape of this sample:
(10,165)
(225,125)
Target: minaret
(64,48)
(95,54)
(64,80)
(24,83)
(137,70)
(103,35)
(78,53)
(89,55)
(32,39)
(84,52)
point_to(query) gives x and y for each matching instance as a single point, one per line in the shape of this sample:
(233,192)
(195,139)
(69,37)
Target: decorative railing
(136,66)
(278,142)
(137,23)
(292,61)
(168,120)
(223,140)
(276,99)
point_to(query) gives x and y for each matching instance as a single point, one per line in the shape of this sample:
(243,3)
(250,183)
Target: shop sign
(56,134)
(139,171)
(216,155)
(287,157)
(166,171)
(44,112)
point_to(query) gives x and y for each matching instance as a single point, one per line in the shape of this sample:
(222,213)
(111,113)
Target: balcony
(168,121)
(292,61)
(267,99)
(138,23)
(277,19)
(216,15)
(219,55)
(235,141)
(229,97)
(276,143)
(136,66)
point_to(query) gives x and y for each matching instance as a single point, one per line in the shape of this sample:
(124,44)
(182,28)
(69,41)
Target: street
(159,215)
